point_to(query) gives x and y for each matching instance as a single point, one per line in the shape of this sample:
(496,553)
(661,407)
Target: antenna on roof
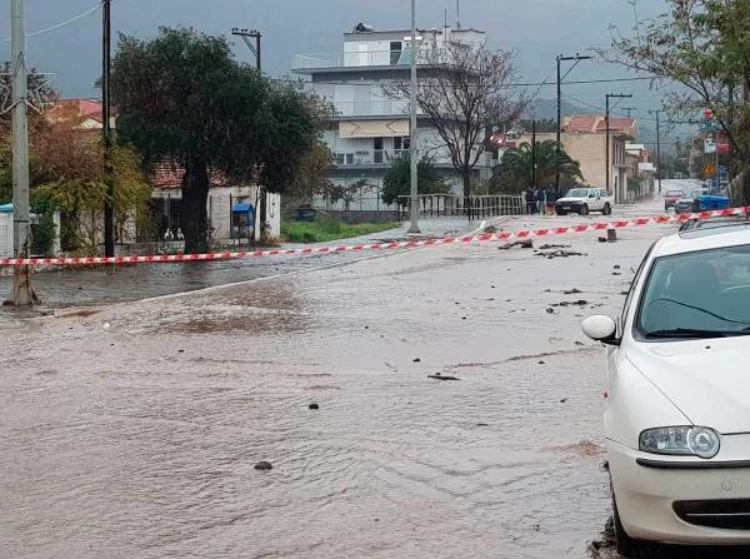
(458,14)
(445,25)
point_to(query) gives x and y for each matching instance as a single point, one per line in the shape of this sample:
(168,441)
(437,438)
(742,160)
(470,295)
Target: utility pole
(658,144)
(560,59)
(109,206)
(246,35)
(414,148)
(607,141)
(23,295)
(254,48)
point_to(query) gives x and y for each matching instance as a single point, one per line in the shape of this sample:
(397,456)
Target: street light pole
(23,295)
(414,150)
(560,58)
(606,141)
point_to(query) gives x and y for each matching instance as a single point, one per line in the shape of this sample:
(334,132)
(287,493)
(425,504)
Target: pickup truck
(584,200)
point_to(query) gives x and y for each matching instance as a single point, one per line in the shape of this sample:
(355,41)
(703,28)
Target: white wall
(6,235)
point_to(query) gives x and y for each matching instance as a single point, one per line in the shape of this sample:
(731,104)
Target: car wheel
(627,546)
(561,212)
(584,210)
(607,209)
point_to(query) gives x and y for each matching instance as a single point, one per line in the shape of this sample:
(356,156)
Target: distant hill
(547,108)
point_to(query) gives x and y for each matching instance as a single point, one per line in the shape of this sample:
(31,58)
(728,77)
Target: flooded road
(133,431)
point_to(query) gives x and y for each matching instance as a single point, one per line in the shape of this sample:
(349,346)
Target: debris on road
(560,253)
(314,406)
(579,303)
(553,247)
(574,291)
(417,360)
(523,243)
(438,376)
(264,466)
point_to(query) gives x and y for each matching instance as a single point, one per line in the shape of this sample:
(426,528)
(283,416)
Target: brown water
(133,431)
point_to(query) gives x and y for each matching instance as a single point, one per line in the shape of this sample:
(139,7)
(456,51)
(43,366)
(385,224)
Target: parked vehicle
(672,197)
(676,413)
(701,201)
(585,200)
(686,204)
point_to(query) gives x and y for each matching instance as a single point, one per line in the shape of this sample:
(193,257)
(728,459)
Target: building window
(396,48)
(378,154)
(401,144)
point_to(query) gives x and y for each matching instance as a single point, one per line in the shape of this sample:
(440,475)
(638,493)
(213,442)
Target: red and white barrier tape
(486,237)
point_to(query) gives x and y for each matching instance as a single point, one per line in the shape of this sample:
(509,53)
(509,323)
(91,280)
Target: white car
(585,200)
(677,396)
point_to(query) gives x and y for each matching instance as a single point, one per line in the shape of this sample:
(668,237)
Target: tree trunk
(466,175)
(194,214)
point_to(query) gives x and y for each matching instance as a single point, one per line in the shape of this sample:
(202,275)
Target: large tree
(515,173)
(465,91)
(704,46)
(182,97)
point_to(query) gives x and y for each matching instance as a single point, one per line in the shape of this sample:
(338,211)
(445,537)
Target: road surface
(133,430)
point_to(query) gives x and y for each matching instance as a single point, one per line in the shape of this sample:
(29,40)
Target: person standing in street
(530,201)
(540,200)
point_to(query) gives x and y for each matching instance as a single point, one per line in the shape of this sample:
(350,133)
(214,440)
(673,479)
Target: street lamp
(577,58)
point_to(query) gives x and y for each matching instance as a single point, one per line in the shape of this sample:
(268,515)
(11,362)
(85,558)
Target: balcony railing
(361,59)
(372,107)
(369,157)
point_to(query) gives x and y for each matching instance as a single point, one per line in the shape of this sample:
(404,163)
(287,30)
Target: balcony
(363,59)
(369,158)
(372,107)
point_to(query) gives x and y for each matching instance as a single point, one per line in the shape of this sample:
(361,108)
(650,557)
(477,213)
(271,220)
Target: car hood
(570,200)
(708,380)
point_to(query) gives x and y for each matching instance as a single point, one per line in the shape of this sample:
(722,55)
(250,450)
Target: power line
(62,24)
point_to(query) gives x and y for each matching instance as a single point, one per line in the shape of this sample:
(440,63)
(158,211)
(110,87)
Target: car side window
(631,293)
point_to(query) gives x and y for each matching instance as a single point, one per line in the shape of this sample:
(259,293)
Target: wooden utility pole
(109,205)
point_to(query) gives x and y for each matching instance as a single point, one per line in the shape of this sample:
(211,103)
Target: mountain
(547,109)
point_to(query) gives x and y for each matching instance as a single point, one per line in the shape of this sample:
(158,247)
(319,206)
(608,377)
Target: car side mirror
(601,328)
(592,195)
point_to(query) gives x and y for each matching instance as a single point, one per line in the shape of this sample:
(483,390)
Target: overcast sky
(537,30)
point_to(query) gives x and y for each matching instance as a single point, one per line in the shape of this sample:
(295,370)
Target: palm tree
(516,170)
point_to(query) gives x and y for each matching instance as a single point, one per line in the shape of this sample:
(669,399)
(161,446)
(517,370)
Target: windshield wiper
(696,334)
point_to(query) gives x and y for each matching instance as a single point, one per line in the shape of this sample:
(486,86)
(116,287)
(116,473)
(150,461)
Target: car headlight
(681,441)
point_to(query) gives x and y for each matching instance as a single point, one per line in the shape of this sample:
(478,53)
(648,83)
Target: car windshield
(577,193)
(697,295)
(696,193)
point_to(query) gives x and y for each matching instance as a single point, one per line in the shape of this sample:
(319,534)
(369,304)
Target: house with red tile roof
(584,139)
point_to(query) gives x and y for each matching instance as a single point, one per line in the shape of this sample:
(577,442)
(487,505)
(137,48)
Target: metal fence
(437,205)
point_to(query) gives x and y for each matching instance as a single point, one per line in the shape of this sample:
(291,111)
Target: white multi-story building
(372,128)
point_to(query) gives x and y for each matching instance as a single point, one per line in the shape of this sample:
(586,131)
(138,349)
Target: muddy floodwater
(134,431)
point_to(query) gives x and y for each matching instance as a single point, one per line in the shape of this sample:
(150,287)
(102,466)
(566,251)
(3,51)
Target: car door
(595,201)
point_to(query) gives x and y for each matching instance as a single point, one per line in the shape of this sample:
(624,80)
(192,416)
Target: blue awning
(6,209)
(243,209)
